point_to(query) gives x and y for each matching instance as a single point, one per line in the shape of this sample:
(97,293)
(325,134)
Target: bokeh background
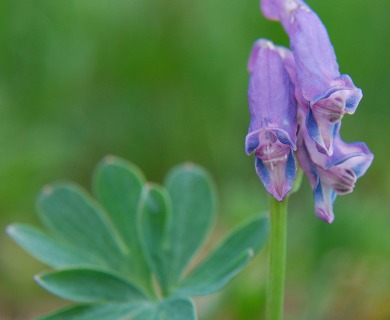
(160,82)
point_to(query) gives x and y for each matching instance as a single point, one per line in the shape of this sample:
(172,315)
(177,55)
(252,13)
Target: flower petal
(318,83)
(270,94)
(324,197)
(331,176)
(273,126)
(277,176)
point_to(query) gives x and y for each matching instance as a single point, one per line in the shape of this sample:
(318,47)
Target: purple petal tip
(328,217)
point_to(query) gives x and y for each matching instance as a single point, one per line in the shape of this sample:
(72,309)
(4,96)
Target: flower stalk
(277,259)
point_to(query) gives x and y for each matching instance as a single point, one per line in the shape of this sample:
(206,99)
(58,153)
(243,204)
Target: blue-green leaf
(87,286)
(174,224)
(227,260)
(118,184)
(193,207)
(170,309)
(154,219)
(47,249)
(107,311)
(78,221)
(176,309)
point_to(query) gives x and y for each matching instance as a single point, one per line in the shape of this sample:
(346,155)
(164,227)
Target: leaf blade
(95,312)
(90,286)
(154,219)
(47,249)
(193,208)
(118,185)
(177,309)
(77,220)
(229,258)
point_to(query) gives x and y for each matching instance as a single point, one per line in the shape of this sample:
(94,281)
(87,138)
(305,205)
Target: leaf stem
(277,259)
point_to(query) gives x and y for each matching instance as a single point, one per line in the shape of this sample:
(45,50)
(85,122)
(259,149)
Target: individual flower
(273,126)
(334,175)
(327,94)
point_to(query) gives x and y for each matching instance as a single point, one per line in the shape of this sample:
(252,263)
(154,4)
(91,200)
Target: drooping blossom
(333,175)
(322,95)
(273,126)
(327,94)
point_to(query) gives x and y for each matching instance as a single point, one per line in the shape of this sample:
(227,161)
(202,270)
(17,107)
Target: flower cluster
(297,99)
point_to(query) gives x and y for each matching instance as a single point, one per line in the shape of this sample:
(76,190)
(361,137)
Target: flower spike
(329,95)
(273,126)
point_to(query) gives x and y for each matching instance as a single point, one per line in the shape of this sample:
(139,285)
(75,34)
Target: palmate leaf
(105,252)
(82,233)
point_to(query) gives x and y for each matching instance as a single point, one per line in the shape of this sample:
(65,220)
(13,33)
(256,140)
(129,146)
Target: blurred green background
(160,82)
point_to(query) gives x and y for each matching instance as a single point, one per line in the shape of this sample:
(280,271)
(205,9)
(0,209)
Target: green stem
(277,259)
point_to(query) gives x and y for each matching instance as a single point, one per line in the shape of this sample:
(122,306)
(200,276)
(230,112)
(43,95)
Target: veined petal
(320,129)
(320,122)
(322,132)
(270,93)
(289,64)
(341,95)
(272,130)
(252,140)
(313,52)
(354,155)
(331,176)
(259,44)
(328,94)
(272,9)
(278,173)
(324,197)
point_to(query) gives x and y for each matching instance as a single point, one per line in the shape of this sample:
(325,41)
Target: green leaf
(177,309)
(77,220)
(47,249)
(170,309)
(207,281)
(228,259)
(84,285)
(118,185)
(193,208)
(112,311)
(154,219)
(174,225)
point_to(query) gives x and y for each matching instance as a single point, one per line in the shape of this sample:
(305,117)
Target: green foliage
(105,254)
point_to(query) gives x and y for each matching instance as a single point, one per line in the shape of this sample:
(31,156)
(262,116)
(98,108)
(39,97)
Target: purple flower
(273,126)
(327,94)
(334,175)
